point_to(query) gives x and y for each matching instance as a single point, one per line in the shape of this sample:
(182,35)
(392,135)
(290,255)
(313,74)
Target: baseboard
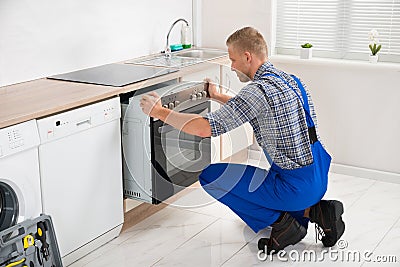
(91,246)
(377,175)
(366,173)
(139,213)
(145,210)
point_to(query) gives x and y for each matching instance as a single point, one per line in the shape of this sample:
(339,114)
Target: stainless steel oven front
(159,160)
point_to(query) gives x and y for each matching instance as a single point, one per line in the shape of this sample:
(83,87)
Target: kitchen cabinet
(213,72)
(241,137)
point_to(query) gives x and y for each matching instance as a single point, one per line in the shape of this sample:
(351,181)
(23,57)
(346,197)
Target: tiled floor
(197,231)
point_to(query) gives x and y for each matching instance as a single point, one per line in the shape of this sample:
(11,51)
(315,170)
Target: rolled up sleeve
(249,103)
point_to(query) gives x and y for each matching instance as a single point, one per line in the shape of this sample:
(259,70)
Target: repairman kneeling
(281,112)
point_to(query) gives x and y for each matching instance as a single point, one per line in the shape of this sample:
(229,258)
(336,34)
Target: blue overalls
(259,196)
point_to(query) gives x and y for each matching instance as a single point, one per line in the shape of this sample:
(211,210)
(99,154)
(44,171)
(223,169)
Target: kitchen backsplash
(44,37)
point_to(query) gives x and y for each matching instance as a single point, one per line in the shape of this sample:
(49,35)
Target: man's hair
(248,39)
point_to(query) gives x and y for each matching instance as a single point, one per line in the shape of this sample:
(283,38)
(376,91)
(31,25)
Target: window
(338,28)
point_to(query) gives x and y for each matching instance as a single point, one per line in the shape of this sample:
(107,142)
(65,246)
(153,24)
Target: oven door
(177,157)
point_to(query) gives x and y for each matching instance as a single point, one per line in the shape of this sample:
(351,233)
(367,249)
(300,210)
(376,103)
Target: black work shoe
(286,231)
(327,214)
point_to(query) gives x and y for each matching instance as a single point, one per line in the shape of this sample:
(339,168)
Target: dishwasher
(81,176)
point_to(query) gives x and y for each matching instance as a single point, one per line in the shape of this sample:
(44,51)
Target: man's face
(239,64)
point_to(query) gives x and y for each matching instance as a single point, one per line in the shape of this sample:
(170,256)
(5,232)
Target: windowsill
(342,63)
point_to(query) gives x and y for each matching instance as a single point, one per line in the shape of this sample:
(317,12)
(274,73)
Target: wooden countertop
(40,98)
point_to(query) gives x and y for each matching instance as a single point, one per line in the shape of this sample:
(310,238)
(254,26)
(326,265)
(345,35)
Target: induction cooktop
(114,74)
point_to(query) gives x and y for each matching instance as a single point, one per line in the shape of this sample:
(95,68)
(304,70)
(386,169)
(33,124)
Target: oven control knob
(199,95)
(176,103)
(165,106)
(193,97)
(204,93)
(171,105)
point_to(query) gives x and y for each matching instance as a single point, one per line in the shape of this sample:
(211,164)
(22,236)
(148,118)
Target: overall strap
(304,100)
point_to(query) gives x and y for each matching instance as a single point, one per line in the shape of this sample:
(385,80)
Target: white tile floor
(197,231)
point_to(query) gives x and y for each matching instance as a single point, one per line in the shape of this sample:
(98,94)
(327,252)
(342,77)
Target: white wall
(221,18)
(45,37)
(357,103)
(357,109)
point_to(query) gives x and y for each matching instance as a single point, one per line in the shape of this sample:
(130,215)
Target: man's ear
(248,56)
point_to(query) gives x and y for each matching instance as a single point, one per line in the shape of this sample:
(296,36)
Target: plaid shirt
(276,115)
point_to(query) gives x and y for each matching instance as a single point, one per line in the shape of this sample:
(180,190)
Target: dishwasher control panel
(79,119)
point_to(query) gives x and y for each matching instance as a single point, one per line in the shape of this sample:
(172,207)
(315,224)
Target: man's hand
(214,94)
(151,104)
(212,88)
(193,124)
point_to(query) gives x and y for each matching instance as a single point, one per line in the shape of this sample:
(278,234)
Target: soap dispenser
(186,35)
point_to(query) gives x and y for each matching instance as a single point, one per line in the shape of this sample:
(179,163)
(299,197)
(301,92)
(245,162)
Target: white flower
(373,36)
(374,45)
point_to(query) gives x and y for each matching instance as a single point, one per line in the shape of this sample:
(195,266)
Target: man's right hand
(212,88)
(214,94)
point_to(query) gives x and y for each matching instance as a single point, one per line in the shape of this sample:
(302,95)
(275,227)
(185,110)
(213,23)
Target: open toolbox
(31,243)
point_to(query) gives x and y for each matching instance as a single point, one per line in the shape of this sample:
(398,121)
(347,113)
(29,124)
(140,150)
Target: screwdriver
(15,263)
(41,235)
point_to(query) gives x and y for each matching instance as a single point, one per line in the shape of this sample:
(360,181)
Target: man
(281,113)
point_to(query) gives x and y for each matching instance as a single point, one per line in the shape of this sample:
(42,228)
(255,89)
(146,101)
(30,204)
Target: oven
(159,160)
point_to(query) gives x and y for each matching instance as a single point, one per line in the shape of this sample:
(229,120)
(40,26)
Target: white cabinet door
(213,72)
(241,137)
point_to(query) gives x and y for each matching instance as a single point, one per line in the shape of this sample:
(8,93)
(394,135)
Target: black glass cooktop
(114,74)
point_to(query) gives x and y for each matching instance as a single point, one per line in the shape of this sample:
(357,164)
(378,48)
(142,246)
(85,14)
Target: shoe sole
(339,224)
(339,210)
(340,227)
(262,242)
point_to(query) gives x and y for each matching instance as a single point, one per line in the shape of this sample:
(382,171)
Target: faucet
(167,48)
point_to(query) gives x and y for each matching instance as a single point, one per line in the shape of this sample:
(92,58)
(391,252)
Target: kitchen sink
(162,61)
(204,54)
(181,58)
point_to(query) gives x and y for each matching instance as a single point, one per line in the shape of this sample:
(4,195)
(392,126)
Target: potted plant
(306,51)
(374,46)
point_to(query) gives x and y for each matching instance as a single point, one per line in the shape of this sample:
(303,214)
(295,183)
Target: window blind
(338,28)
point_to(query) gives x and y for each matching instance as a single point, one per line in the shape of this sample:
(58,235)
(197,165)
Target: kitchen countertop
(43,97)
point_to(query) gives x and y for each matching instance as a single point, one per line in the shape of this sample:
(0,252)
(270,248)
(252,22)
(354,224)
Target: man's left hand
(151,104)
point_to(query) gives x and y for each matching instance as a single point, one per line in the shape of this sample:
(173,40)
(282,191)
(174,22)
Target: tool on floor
(31,243)
(28,241)
(38,254)
(41,235)
(15,263)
